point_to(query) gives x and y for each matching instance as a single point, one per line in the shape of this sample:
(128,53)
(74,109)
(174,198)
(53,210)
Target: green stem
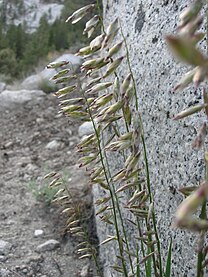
(86,236)
(109,185)
(200,256)
(111,194)
(151,201)
(100,16)
(203,215)
(142,243)
(120,215)
(113,189)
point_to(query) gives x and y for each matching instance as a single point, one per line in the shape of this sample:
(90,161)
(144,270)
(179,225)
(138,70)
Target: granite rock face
(172,161)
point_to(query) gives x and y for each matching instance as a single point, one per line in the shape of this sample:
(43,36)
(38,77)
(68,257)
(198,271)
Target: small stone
(86,129)
(53,145)
(2,258)
(39,120)
(8,144)
(69,131)
(25,270)
(31,168)
(10,256)
(5,247)
(71,143)
(34,259)
(38,233)
(85,272)
(49,245)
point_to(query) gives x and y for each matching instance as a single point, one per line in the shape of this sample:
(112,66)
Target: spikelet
(79,14)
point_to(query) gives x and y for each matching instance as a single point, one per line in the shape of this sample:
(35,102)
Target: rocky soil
(34,140)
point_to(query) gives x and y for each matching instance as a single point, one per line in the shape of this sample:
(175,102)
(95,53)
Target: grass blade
(138,265)
(168,263)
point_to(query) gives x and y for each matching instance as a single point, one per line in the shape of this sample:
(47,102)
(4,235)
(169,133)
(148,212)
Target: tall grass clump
(110,102)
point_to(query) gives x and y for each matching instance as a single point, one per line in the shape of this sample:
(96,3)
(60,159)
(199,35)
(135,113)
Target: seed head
(113,66)
(91,25)
(96,43)
(79,14)
(190,111)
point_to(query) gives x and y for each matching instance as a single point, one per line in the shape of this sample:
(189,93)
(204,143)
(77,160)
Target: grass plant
(111,102)
(42,192)
(108,111)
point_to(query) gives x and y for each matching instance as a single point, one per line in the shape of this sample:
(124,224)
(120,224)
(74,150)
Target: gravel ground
(34,140)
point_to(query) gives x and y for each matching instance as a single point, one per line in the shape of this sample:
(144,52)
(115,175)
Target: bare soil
(24,159)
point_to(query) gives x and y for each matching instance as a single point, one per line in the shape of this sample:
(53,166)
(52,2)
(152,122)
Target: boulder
(86,129)
(43,80)
(2,86)
(10,99)
(31,82)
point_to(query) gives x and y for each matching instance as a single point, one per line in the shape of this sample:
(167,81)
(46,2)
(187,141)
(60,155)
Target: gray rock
(31,82)
(38,233)
(49,245)
(74,62)
(53,145)
(10,99)
(2,86)
(40,82)
(79,186)
(3,258)
(86,129)
(85,272)
(43,80)
(35,258)
(5,247)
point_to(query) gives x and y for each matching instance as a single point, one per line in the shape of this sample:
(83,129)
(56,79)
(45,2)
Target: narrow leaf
(168,262)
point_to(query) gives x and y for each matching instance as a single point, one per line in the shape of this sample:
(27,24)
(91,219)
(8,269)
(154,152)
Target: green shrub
(42,192)
(8,62)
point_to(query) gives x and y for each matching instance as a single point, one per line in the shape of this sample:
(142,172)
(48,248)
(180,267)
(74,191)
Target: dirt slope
(25,131)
